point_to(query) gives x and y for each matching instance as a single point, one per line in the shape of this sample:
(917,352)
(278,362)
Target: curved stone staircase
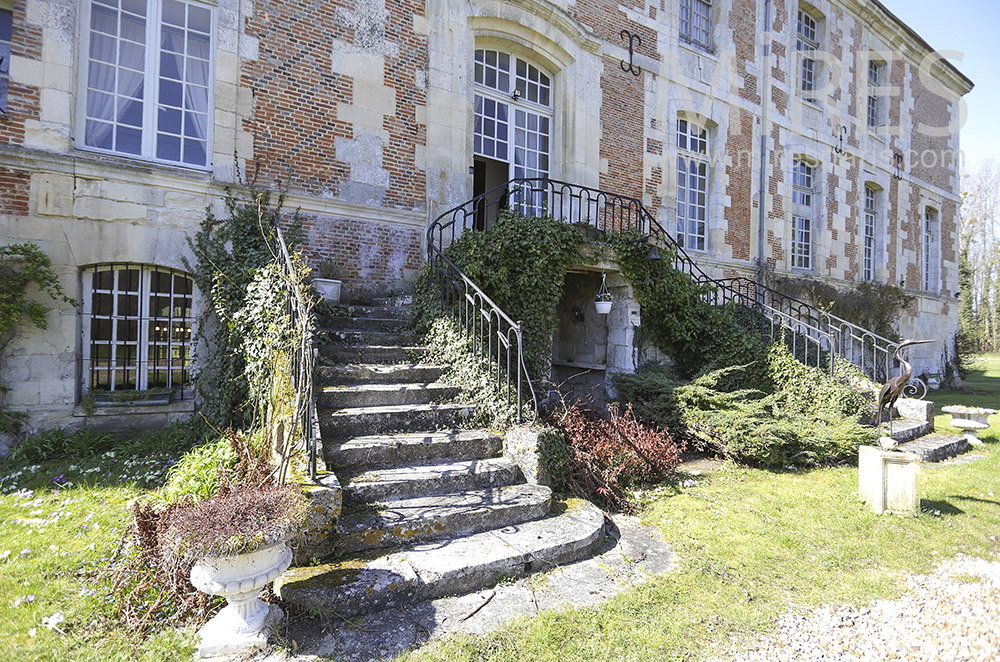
(431,507)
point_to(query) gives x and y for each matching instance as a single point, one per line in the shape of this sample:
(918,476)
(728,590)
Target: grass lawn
(59,522)
(751,545)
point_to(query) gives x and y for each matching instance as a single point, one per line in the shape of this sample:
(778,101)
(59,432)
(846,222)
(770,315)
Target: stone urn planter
(328,288)
(244,622)
(971,420)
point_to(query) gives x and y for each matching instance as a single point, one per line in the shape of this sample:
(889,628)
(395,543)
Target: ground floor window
(136,328)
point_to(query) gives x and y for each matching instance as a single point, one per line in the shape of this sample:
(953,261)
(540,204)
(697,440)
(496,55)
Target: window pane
(195,152)
(173,13)
(168,148)
(102,19)
(199,19)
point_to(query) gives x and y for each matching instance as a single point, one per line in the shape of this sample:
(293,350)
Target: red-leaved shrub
(607,454)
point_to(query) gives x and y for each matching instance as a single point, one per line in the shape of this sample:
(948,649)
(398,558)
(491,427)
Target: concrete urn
(328,288)
(970,420)
(243,623)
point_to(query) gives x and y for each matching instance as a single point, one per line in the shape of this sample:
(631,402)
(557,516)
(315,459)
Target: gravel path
(947,616)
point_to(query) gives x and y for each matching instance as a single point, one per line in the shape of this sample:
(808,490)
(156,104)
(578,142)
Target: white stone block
(887,480)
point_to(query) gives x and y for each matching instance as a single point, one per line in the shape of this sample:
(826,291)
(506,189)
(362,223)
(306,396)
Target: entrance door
(513,128)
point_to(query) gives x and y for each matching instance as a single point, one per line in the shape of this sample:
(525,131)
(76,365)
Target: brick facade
(362,110)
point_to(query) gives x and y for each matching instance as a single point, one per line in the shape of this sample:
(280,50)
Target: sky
(969,27)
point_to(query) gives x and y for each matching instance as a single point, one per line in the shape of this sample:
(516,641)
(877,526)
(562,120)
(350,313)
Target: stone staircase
(913,428)
(431,508)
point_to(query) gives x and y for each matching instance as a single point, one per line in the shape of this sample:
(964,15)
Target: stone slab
(371,353)
(374,372)
(937,447)
(378,485)
(414,448)
(383,394)
(363,421)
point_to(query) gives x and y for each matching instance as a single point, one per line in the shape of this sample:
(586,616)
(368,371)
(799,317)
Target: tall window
(513,115)
(871,221)
(931,258)
(696,23)
(806,44)
(803,213)
(6,36)
(147,79)
(692,185)
(875,75)
(136,328)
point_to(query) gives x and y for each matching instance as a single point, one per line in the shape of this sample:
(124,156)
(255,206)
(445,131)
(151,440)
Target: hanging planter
(603,299)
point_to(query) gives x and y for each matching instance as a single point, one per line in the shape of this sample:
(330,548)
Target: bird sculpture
(895,386)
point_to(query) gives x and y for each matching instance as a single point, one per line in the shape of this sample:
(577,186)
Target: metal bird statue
(895,386)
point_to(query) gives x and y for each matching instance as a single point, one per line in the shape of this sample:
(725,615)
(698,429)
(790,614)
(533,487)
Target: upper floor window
(876,74)
(868,239)
(6,37)
(692,185)
(806,45)
(136,328)
(931,253)
(803,213)
(147,79)
(696,23)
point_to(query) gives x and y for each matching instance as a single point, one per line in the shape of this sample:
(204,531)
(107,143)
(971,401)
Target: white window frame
(151,72)
(876,73)
(177,327)
(7,18)
(805,181)
(931,250)
(807,36)
(528,147)
(869,232)
(692,200)
(696,23)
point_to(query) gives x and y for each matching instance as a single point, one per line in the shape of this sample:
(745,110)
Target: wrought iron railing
(304,426)
(815,335)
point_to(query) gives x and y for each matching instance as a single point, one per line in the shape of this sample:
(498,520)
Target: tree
(979,261)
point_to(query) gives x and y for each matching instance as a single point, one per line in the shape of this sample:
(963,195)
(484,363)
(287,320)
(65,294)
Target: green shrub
(196,475)
(554,459)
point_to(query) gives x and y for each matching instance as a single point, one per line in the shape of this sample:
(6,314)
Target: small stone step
(454,566)
(905,429)
(444,516)
(382,338)
(383,395)
(364,421)
(365,323)
(414,448)
(427,480)
(371,353)
(937,447)
(378,373)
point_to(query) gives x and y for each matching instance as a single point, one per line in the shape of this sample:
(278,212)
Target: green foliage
(521,264)
(228,252)
(676,319)
(554,459)
(778,414)
(23,266)
(872,306)
(466,369)
(57,443)
(196,474)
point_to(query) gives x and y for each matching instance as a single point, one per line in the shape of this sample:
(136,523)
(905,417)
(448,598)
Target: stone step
(453,566)
(364,421)
(445,516)
(383,395)
(364,323)
(398,301)
(937,446)
(413,448)
(371,353)
(378,373)
(427,479)
(358,337)
(906,429)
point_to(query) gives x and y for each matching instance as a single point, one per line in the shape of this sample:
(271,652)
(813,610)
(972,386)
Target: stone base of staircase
(937,447)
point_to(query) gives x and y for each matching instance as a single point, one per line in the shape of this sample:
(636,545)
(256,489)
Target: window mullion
(153,27)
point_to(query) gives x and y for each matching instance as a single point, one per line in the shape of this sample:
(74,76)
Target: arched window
(136,328)
(692,185)
(804,186)
(513,119)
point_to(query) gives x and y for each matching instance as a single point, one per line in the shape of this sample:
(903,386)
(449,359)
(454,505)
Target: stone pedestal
(887,480)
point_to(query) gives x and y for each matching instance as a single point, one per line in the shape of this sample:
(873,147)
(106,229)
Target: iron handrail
(599,212)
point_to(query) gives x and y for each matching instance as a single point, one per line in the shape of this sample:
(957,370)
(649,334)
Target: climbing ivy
(675,316)
(21,266)
(521,263)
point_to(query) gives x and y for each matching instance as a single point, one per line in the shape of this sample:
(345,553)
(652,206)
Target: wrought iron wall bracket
(897,166)
(633,41)
(839,149)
